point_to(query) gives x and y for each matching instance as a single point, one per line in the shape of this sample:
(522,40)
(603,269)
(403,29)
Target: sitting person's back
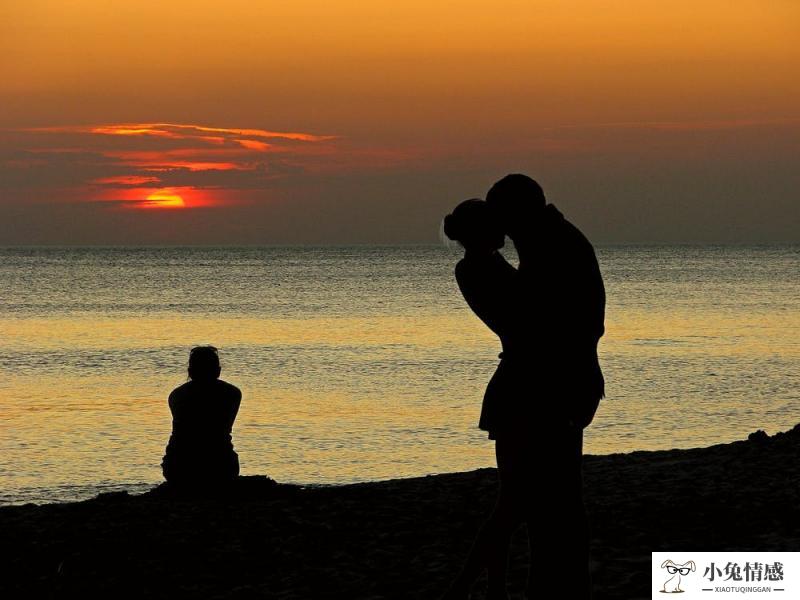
(200,450)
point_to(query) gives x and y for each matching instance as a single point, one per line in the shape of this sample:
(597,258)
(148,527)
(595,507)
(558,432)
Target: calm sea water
(362,363)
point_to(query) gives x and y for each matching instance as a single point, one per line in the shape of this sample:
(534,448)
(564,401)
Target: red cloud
(186,158)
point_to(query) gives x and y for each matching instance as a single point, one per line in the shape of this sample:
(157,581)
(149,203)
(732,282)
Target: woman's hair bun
(453,227)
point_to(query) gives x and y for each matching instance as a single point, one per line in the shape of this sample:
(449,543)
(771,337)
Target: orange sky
(646,121)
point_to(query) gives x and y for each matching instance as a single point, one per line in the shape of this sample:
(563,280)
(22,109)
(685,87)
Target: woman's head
(204,363)
(474,225)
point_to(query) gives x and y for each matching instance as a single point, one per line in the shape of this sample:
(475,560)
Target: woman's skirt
(526,396)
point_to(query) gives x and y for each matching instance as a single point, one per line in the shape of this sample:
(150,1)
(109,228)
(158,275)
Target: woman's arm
(236,402)
(492,294)
(172,401)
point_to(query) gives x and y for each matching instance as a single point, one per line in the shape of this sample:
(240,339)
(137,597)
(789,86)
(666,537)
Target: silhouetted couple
(549,316)
(200,453)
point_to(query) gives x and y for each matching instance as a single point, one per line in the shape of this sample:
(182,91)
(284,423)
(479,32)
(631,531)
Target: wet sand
(395,539)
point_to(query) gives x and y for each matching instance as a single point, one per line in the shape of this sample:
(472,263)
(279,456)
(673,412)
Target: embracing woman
(490,287)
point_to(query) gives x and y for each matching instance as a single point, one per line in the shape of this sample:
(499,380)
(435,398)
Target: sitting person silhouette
(200,451)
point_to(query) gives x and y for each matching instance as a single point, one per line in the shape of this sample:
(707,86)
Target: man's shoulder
(570,231)
(574,241)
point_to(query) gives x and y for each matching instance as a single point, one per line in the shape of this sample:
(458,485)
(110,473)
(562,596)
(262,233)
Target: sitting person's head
(204,363)
(519,201)
(475,226)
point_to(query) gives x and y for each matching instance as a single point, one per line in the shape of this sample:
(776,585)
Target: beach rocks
(759,437)
(250,487)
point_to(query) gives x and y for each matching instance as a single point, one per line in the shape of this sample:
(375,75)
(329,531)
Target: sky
(318,122)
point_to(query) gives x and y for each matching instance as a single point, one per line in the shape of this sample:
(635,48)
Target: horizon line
(382,245)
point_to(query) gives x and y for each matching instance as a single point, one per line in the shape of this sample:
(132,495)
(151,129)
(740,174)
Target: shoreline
(131,490)
(397,538)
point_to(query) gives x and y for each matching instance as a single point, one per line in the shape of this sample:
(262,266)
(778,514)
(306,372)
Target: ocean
(362,363)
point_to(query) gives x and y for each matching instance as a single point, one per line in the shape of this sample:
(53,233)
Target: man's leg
(558,532)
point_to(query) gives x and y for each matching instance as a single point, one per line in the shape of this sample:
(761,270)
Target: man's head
(518,200)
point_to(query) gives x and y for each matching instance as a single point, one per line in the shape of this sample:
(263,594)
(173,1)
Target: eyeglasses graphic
(682,570)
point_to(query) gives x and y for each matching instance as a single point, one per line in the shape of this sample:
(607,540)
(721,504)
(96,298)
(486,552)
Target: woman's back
(200,449)
(204,410)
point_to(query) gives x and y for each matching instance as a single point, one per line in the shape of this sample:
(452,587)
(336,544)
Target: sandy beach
(395,539)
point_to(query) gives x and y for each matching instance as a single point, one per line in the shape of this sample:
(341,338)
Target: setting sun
(163,199)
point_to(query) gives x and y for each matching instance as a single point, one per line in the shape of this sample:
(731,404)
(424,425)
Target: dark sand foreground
(395,539)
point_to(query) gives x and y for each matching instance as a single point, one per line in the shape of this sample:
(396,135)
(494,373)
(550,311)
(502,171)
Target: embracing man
(549,316)
(563,318)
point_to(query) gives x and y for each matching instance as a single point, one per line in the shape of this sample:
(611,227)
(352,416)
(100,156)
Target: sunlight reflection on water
(362,363)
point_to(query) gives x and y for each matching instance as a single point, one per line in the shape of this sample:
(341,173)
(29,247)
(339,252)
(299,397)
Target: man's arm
(584,296)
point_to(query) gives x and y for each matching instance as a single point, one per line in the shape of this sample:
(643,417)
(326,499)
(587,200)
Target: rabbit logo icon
(675,572)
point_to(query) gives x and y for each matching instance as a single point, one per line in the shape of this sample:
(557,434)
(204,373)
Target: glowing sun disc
(164,199)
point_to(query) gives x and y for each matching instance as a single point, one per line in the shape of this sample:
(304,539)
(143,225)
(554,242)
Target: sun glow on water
(345,352)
